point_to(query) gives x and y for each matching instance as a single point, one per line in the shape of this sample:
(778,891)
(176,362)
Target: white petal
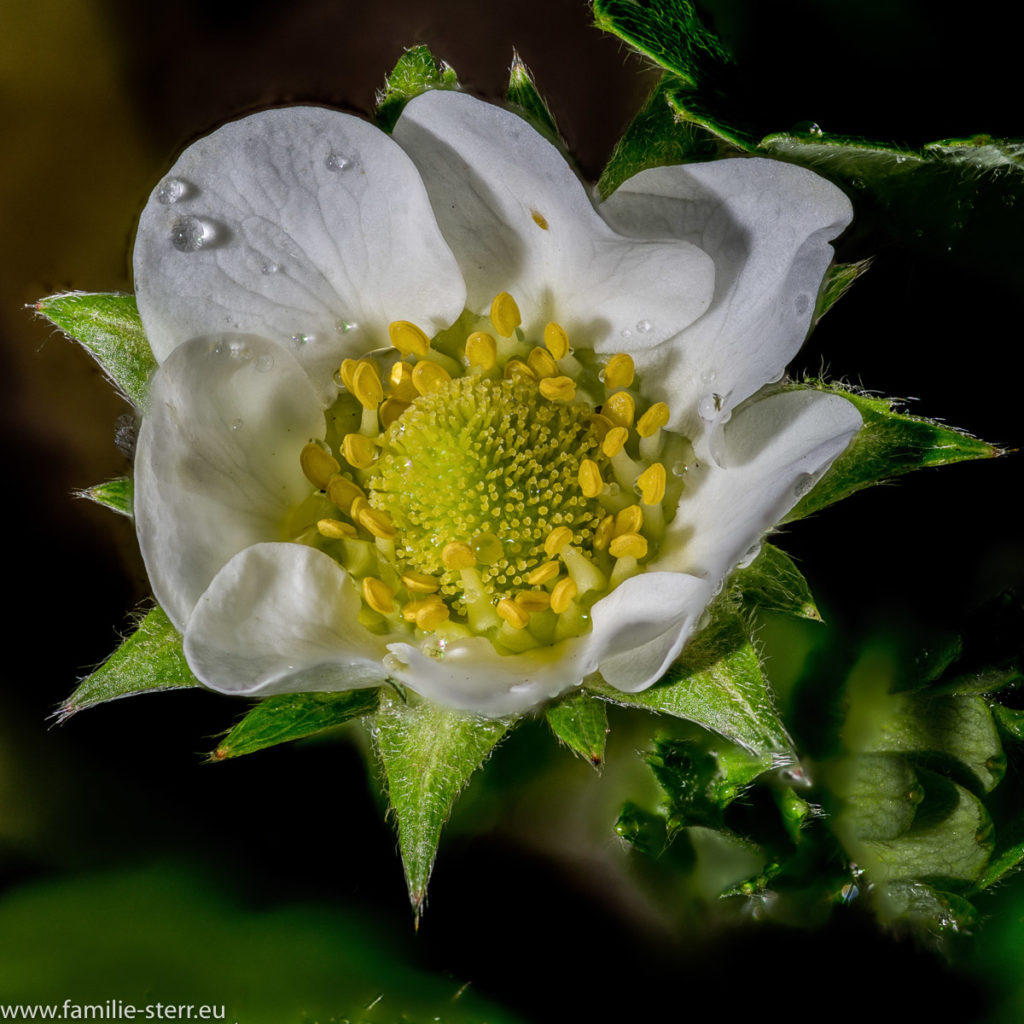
(217,464)
(767,226)
(295,222)
(519,220)
(775,449)
(282,618)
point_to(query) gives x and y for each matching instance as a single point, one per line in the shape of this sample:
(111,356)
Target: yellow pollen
(544,573)
(348,367)
(619,372)
(542,363)
(319,466)
(481,350)
(408,338)
(505,314)
(604,533)
(390,411)
(556,540)
(652,484)
(378,522)
(428,377)
(533,600)
(357,506)
(514,614)
(343,492)
(539,219)
(614,441)
(558,389)
(620,409)
(401,383)
(458,555)
(366,385)
(600,425)
(562,595)
(517,368)
(359,450)
(420,582)
(629,545)
(335,529)
(653,420)
(556,341)
(591,483)
(432,616)
(378,595)
(628,520)
(413,608)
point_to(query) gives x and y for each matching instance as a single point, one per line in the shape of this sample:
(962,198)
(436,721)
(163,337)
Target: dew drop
(236,424)
(709,406)
(336,377)
(344,326)
(626,332)
(336,162)
(190,234)
(172,190)
(749,555)
(271,268)
(487,548)
(264,364)
(392,663)
(643,326)
(803,484)
(708,376)
(302,339)
(807,128)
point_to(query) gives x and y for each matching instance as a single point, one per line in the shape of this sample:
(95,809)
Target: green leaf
(1000,867)
(149,660)
(717,683)
(417,71)
(772,581)
(985,680)
(293,716)
(581,723)
(109,327)
(646,831)
(839,279)
(1010,720)
(914,901)
(118,495)
(523,94)
(889,444)
(428,753)
(880,795)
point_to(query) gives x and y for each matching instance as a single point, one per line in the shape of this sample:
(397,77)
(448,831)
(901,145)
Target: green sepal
(773,582)
(428,753)
(417,71)
(108,325)
(522,93)
(795,812)
(937,910)
(839,279)
(889,444)
(984,681)
(643,830)
(717,683)
(293,716)
(117,495)
(1003,864)
(581,723)
(149,660)
(1010,720)
(690,107)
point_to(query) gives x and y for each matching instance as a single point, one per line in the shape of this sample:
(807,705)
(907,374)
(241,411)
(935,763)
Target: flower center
(493,485)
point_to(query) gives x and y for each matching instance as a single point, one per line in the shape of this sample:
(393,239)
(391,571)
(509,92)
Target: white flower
(289,241)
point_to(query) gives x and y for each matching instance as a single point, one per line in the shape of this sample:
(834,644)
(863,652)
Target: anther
(619,372)
(628,520)
(591,483)
(556,540)
(620,408)
(533,600)
(377,521)
(390,411)
(348,367)
(433,614)
(514,614)
(604,533)
(652,484)
(600,425)
(359,450)
(401,383)
(420,582)
(408,338)
(542,363)
(558,389)
(556,341)
(428,377)
(628,545)
(563,594)
(505,314)
(653,420)
(318,465)
(481,350)
(378,595)
(544,573)
(517,369)
(458,555)
(614,441)
(366,385)
(335,529)
(343,492)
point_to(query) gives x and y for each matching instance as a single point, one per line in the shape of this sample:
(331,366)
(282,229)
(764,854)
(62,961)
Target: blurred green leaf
(118,495)
(717,683)
(924,904)
(522,92)
(642,829)
(417,71)
(773,582)
(581,723)
(149,660)
(880,795)
(889,444)
(986,680)
(428,753)
(839,279)
(292,716)
(108,325)
(1010,720)
(1001,866)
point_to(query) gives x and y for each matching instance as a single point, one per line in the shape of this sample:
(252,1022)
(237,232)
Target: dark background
(96,99)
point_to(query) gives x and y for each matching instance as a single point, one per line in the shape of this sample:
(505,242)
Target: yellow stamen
(604,533)
(653,420)
(377,521)
(557,539)
(335,529)
(620,409)
(343,492)
(318,465)
(481,350)
(562,595)
(652,484)
(628,545)
(614,441)
(539,219)
(515,615)
(517,368)
(390,411)
(428,377)
(458,555)
(591,483)
(619,372)
(542,363)
(359,450)
(432,616)
(408,338)
(401,383)
(543,573)
(628,520)
(366,385)
(558,389)
(600,425)
(556,341)
(378,595)
(348,367)
(505,314)
(420,582)
(533,600)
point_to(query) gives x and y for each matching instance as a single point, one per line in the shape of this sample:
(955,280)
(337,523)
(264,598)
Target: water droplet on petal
(236,424)
(302,339)
(709,406)
(336,162)
(392,663)
(172,190)
(265,363)
(707,376)
(270,268)
(749,555)
(626,332)
(344,326)
(643,326)
(803,484)
(190,234)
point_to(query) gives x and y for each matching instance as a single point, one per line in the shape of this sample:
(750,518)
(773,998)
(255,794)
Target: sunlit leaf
(417,71)
(773,582)
(581,723)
